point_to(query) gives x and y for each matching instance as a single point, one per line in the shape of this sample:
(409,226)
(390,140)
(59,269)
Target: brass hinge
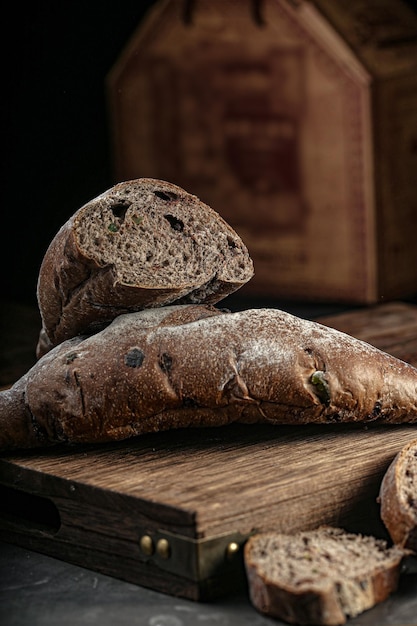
(193,559)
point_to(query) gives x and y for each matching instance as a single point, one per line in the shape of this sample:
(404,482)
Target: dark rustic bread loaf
(193,365)
(398,497)
(143,243)
(321,576)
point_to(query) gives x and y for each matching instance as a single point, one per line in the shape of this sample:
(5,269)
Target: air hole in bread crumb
(231,243)
(119,210)
(167,196)
(175,223)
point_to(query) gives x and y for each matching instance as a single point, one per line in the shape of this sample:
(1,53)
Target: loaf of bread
(398,497)
(194,365)
(321,576)
(143,243)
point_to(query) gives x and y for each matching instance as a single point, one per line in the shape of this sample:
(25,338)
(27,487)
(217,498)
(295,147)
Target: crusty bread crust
(194,365)
(398,497)
(321,576)
(143,243)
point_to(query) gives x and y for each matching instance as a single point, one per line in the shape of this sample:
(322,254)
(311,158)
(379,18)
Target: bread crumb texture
(319,577)
(153,232)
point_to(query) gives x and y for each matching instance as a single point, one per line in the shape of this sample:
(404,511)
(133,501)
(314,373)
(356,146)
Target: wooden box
(171,511)
(297,121)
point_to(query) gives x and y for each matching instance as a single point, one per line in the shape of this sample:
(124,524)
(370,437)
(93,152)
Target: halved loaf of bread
(143,243)
(193,365)
(398,497)
(321,576)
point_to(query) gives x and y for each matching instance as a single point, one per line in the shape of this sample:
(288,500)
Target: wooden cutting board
(172,510)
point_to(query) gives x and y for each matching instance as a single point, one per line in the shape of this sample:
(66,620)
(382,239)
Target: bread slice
(398,497)
(194,365)
(321,576)
(143,243)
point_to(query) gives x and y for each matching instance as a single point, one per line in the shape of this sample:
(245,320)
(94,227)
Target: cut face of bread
(321,576)
(142,244)
(398,497)
(154,234)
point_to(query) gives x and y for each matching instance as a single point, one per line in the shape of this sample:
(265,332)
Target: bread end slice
(319,577)
(398,497)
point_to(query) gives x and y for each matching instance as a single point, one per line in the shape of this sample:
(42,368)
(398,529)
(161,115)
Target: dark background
(55,138)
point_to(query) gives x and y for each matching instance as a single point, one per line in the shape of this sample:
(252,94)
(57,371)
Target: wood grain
(211,481)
